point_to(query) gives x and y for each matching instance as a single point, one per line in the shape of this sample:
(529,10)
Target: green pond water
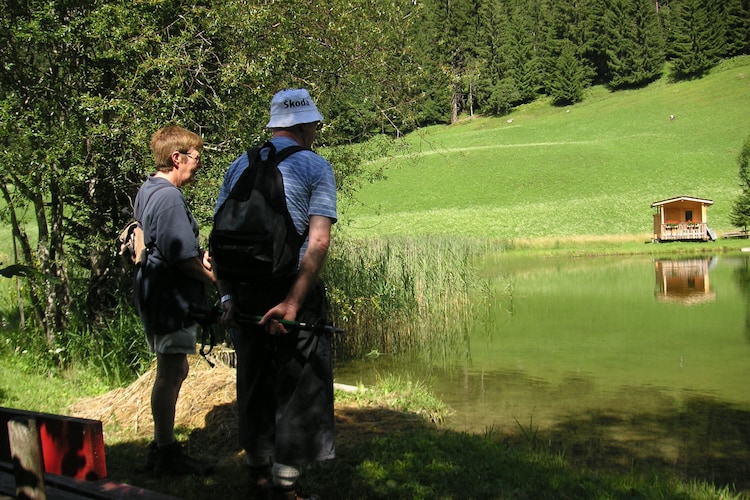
(625,359)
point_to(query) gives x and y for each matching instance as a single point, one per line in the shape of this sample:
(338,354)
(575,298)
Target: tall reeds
(407,296)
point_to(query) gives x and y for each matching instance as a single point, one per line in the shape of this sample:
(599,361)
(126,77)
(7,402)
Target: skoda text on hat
(291,107)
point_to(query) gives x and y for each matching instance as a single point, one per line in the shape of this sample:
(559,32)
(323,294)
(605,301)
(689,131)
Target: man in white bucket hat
(285,376)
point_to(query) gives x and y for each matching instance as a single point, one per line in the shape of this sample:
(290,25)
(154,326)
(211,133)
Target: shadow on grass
(707,440)
(384,454)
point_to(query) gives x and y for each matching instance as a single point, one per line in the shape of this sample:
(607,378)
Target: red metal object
(71,447)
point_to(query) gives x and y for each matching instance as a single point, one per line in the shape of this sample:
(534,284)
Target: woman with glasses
(173,275)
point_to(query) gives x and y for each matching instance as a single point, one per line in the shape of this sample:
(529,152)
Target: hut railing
(684,231)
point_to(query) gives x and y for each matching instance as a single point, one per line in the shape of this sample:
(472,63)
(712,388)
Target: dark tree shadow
(707,440)
(388,454)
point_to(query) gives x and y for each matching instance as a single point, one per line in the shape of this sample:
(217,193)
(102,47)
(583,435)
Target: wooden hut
(683,218)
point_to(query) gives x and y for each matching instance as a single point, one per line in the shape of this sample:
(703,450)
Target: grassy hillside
(589,169)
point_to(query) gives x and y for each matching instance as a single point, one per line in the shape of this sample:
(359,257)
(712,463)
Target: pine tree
(635,46)
(737,21)
(448,36)
(740,214)
(568,39)
(696,37)
(524,45)
(569,76)
(494,24)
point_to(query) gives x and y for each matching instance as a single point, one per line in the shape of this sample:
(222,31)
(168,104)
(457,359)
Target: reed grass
(407,295)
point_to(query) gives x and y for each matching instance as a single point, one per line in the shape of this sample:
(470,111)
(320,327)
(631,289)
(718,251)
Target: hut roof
(682,198)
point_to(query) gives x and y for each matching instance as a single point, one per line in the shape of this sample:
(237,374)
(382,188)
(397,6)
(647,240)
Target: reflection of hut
(682,219)
(683,281)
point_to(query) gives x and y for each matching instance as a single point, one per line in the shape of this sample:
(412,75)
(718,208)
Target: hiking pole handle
(214,313)
(293,324)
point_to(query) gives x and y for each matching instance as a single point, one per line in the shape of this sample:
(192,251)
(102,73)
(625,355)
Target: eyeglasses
(196,158)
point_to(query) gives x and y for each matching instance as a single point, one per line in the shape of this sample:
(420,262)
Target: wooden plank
(66,488)
(7,481)
(739,234)
(26,450)
(104,489)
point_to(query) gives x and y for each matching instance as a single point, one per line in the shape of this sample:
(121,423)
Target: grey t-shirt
(163,294)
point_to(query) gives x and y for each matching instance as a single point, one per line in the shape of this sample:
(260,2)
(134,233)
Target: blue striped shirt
(309,185)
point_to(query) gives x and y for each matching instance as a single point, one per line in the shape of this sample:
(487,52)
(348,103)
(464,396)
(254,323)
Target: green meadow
(593,168)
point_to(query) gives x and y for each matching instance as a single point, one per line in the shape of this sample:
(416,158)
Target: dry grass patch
(126,412)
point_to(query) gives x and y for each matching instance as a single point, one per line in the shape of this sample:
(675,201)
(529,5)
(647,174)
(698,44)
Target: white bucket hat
(291,107)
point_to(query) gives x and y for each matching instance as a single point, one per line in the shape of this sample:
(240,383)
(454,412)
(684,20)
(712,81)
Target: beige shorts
(181,341)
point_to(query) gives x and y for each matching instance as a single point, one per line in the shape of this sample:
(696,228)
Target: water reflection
(591,362)
(684,281)
(742,278)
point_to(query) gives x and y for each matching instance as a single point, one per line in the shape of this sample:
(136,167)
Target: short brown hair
(171,138)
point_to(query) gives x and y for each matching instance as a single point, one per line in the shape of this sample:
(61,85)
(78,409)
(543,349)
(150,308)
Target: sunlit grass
(403,395)
(24,385)
(589,169)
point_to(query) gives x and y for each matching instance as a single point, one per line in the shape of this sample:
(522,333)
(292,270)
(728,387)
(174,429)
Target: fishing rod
(209,315)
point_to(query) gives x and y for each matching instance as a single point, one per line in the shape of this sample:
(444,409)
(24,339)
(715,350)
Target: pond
(621,359)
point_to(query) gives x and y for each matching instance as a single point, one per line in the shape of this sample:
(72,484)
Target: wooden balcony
(684,231)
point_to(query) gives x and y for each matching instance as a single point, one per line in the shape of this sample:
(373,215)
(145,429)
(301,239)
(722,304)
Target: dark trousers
(285,387)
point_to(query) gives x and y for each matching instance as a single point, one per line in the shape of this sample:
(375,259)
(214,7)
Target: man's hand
(284,310)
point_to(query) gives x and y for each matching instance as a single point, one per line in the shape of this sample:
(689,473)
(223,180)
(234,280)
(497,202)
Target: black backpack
(253,237)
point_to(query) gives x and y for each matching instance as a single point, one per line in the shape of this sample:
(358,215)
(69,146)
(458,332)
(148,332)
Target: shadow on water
(634,429)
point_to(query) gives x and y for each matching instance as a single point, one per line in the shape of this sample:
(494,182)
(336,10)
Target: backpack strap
(279,156)
(246,180)
(149,243)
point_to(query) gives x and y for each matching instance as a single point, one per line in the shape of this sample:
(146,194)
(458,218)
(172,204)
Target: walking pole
(211,315)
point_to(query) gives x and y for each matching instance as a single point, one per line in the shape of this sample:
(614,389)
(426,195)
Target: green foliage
(523,51)
(737,19)
(740,215)
(116,349)
(83,87)
(568,77)
(113,351)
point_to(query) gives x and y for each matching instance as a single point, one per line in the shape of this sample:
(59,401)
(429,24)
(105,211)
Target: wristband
(226,298)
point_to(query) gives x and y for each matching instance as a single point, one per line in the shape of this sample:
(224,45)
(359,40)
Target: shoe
(150,457)
(292,493)
(171,460)
(261,482)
